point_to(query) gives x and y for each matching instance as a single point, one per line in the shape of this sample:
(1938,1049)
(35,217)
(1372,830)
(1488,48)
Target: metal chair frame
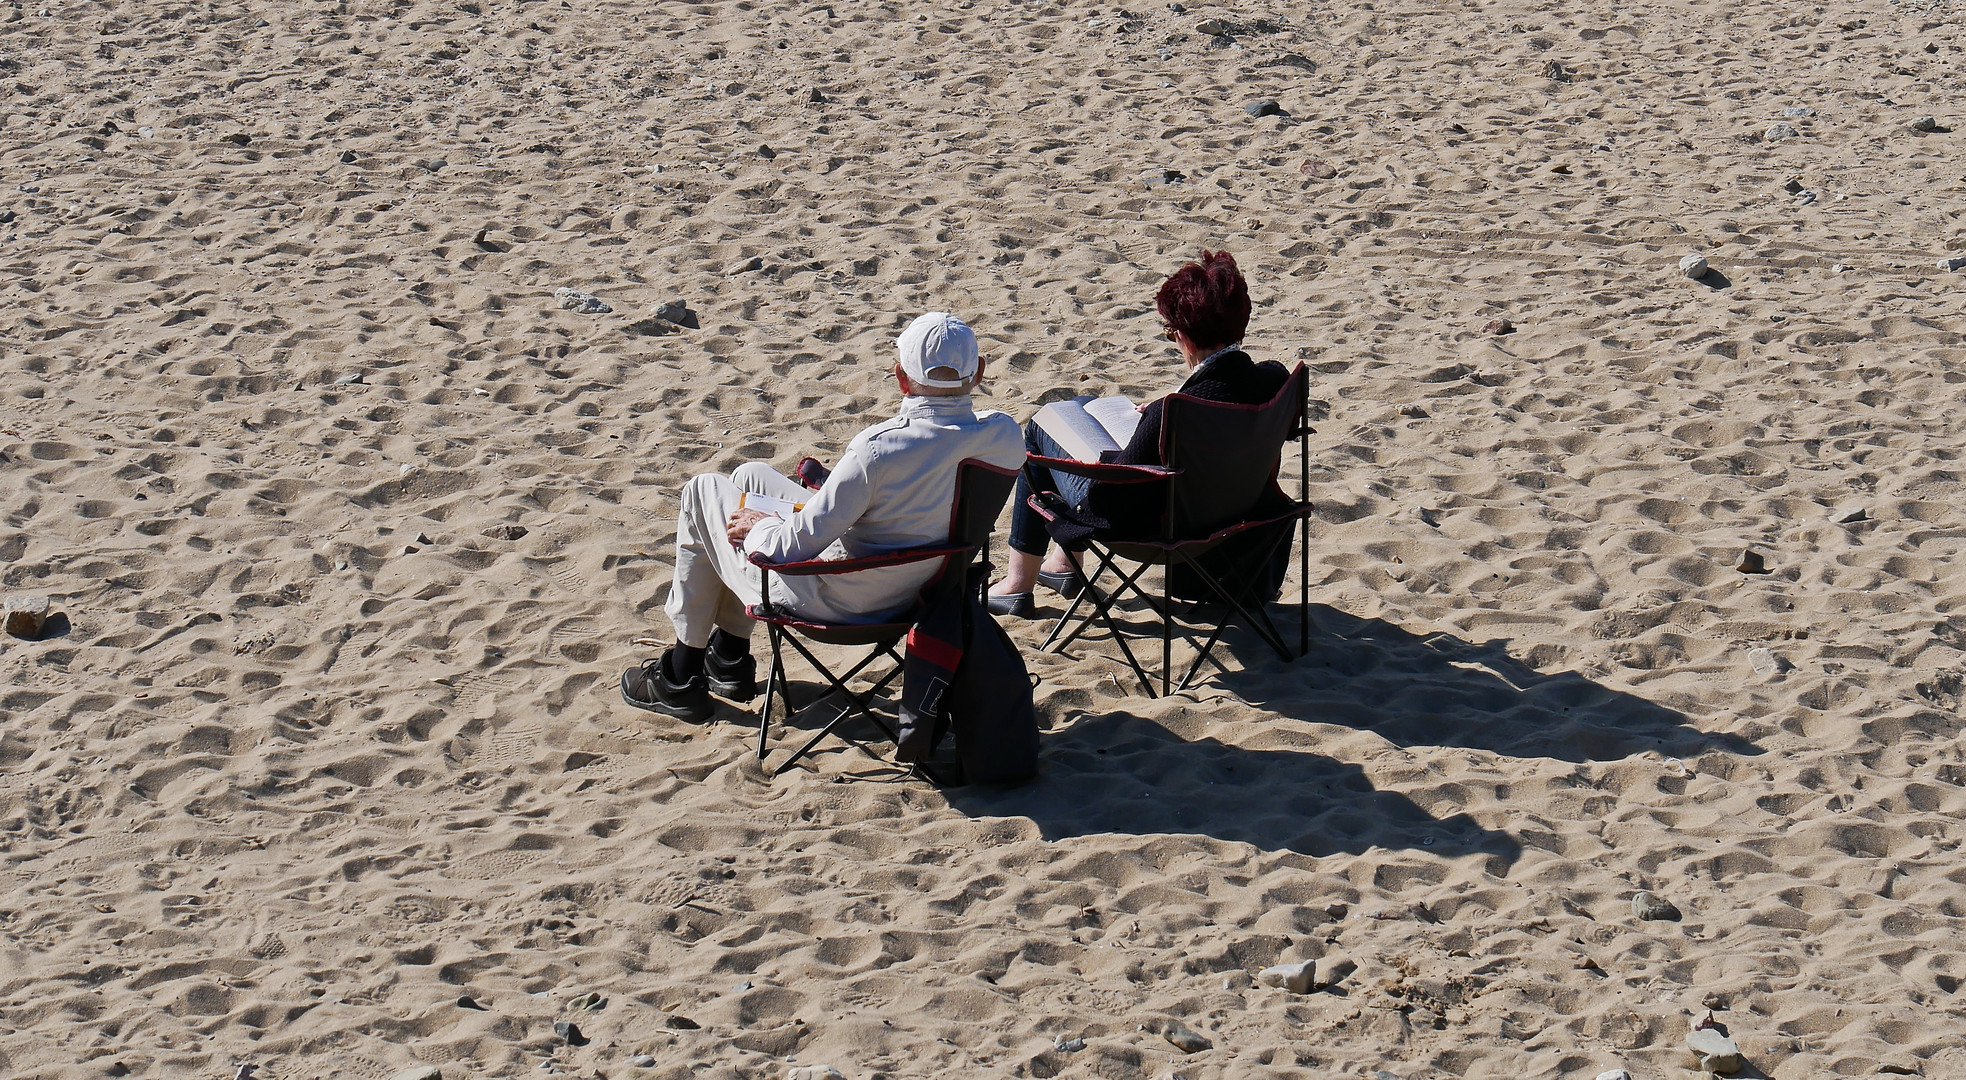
(969,539)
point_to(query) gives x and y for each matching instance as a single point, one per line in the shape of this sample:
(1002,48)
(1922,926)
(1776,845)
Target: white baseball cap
(941,343)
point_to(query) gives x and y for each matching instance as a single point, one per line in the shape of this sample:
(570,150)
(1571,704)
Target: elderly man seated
(894,488)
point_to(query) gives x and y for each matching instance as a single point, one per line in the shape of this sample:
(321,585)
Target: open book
(1088,427)
(765,504)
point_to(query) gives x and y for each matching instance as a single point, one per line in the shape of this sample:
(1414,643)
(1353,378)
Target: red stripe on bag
(934,650)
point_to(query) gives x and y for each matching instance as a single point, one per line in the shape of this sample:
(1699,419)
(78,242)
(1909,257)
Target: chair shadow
(1441,690)
(1121,773)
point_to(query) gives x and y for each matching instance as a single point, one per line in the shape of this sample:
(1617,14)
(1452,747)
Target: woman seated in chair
(1204,309)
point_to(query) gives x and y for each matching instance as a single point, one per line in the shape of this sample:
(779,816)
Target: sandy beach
(317,775)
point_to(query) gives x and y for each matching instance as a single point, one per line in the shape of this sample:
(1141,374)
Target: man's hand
(739,525)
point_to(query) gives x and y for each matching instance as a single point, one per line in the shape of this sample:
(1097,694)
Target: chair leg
(1262,626)
(774,681)
(1167,630)
(1091,591)
(1102,603)
(857,704)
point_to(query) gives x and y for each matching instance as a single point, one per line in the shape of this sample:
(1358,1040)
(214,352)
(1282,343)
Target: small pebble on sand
(1694,266)
(1298,978)
(27,616)
(1186,1039)
(1713,1051)
(1652,907)
(584,303)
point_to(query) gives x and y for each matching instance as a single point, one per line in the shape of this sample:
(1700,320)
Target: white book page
(1117,415)
(765,504)
(1074,430)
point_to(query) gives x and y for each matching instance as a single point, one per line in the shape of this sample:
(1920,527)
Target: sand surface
(315,757)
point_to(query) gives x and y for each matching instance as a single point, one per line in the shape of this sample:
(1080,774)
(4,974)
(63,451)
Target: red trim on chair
(826,567)
(1104,471)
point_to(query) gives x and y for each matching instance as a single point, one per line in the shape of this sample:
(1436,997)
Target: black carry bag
(963,675)
(991,710)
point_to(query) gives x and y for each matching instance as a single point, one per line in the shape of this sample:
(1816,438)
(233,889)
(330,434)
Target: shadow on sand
(1441,690)
(1121,773)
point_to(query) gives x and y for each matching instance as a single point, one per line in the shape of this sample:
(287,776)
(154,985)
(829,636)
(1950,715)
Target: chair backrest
(1228,455)
(981,491)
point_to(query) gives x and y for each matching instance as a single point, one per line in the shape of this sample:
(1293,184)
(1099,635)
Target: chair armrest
(823,567)
(811,473)
(1104,472)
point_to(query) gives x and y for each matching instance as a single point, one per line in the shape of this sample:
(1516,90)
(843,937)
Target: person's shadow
(1120,773)
(1440,690)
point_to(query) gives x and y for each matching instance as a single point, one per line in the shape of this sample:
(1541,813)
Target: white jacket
(894,488)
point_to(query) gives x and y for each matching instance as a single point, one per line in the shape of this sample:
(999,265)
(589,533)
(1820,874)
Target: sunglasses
(1169,332)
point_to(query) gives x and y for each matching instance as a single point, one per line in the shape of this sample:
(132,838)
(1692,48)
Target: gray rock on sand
(642,1061)
(506,531)
(1212,27)
(1265,107)
(1298,978)
(1614,1074)
(1068,1046)
(1925,123)
(1333,970)
(677,312)
(27,616)
(1694,266)
(1780,131)
(1186,1039)
(1653,907)
(1957,262)
(1161,175)
(1797,110)
(1714,1052)
(584,303)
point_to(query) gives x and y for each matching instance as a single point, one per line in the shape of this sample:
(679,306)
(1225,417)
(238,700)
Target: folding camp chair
(1221,496)
(981,491)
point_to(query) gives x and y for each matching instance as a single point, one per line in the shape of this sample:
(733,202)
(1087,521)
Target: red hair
(1208,300)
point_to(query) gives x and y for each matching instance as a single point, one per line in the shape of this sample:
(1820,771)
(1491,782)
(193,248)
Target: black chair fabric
(1225,527)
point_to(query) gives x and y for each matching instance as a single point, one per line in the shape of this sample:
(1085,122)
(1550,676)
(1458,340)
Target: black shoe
(1067,584)
(1019,605)
(646,687)
(732,680)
